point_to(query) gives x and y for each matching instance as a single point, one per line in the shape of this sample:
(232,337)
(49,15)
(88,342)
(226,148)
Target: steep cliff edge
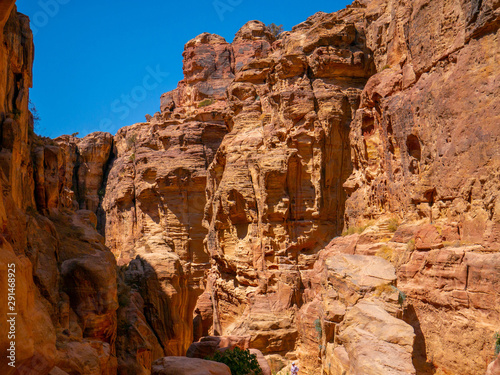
(55,271)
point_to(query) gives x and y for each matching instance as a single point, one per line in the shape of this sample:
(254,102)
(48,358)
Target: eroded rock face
(16,53)
(66,296)
(424,136)
(16,63)
(376,342)
(69,172)
(351,316)
(352,101)
(424,147)
(154,203)
(274,188)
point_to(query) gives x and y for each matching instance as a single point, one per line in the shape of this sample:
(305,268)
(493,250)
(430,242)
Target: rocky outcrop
(351,302)
(275,195)
(443,294)
(16,64)
(424,136)
(69,172)
(375,342)
(65,278)
(154,201)
(423,147)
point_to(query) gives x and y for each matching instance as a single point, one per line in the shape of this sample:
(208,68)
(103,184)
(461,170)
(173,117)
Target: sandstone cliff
(65,277)
(329,196)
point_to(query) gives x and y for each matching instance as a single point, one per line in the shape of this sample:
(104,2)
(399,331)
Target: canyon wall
(351,122)
(329,196)
(65,278)
(425,149)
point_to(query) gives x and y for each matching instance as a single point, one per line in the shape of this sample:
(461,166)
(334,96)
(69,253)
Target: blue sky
(103,64)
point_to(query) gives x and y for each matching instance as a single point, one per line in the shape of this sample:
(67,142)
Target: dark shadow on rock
(147,326)
(101,213)
(420,361)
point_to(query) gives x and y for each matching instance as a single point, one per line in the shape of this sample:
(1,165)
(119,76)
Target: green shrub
(131,141)
(381,289)
(276,30)
(497,343)
(318,328)
(386,253)
(393,225)
(401,297)
(354,230)
(205,103)
(410,246)
(317,325)
(240,362)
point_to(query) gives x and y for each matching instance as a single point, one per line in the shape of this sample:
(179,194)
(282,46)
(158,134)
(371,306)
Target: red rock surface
(66,296)
(188,366)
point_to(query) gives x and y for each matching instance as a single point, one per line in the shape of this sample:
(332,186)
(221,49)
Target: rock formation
(329,196)
(208,346)
(188,366)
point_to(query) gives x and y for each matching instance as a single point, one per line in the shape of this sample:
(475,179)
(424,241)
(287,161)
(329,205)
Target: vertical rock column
(275,195)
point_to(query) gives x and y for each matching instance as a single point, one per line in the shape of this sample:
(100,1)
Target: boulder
(494,367)
(188,366)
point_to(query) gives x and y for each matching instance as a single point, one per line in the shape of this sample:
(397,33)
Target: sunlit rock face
(424,138)
(154,204)
(275,195)
(425,150)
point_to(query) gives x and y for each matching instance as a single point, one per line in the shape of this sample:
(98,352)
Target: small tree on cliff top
(276,30)
(35,114)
